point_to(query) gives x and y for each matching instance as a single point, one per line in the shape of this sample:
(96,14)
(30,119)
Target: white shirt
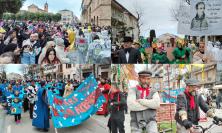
(127,56)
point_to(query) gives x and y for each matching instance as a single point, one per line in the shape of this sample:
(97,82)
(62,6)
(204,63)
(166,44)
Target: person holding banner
(68,89)
(188,105)
(143,103)
(105,89)
(116,108)
(41,110)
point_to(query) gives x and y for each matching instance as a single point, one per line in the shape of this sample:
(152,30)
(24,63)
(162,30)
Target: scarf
(191,98)
(143,91)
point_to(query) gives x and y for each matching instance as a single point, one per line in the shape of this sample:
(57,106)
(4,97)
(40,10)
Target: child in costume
(160,57)
(16,106)
(181,53)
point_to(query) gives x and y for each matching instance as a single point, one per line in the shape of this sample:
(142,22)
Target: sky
(56,5)
(157,14)
(14,68)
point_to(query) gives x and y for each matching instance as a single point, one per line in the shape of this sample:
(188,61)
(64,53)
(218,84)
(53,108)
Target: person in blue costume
(41,110)
(16,105)
(8,93)
(17,86)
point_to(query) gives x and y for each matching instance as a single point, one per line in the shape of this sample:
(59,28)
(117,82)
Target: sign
(171,98)
(77,107)
(202,17)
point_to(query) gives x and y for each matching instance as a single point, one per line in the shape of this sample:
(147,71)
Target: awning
(217,87)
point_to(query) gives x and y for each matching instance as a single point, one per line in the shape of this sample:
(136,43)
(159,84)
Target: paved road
(96,124)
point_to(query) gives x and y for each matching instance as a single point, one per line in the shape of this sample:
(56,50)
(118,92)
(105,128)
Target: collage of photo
(110,66)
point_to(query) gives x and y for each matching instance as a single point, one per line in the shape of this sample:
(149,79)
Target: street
(96,124)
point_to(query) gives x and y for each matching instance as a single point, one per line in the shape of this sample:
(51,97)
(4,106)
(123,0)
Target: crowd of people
(143,101)
(29,42)
(18,97)
(131,52)
(185,52)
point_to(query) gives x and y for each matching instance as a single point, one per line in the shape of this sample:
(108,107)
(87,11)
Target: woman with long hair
(50,57)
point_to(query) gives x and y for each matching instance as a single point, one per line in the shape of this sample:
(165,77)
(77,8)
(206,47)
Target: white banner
(202,17)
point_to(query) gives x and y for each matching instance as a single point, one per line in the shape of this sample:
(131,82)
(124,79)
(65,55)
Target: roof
(116,2)
(33,5)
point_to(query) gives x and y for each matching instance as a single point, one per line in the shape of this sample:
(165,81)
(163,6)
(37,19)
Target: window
(68,66)
(68,76)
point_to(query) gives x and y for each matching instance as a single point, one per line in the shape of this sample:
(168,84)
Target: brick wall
(163,113)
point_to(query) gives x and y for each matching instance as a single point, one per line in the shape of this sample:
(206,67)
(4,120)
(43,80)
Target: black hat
(192,82)
(145,73)
(127,39)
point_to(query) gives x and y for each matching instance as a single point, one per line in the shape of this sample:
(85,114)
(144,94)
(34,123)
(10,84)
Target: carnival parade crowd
(30,42)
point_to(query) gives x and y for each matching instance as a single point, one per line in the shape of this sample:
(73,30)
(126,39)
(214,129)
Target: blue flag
(78,106)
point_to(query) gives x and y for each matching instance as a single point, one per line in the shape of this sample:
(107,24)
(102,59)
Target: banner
(171,98)
(202,17)
(77,107)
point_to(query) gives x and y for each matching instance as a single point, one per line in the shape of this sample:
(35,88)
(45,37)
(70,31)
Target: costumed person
(129,55)
(188,107)
(17,86)
(200,56)
(71,39)
(142,50)
(60,50)
(68,89)
(31,96)
(160,57)
(181,53)
(143,103)
(41,110)
(82,45)
(116,108)
(105,89)
(94,50)
(16,106)
(8,93)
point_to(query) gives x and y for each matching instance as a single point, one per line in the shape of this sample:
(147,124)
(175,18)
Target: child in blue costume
(41,110)
(16,106)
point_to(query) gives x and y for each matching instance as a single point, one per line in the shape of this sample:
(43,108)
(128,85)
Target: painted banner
(202,17)
(78,106)
(171,98)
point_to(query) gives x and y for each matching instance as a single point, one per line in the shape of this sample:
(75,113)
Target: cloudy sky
(56,5)
(14,68)
(157,14)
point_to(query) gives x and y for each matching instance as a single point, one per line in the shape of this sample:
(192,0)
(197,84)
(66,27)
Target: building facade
(123,22)
(33,8)
(96,12)
(67,17)
(67,71)
(207,75)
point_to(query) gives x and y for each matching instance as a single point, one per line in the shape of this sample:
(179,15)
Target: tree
(139,15)
(12,6)
(175,11)
(139,24)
